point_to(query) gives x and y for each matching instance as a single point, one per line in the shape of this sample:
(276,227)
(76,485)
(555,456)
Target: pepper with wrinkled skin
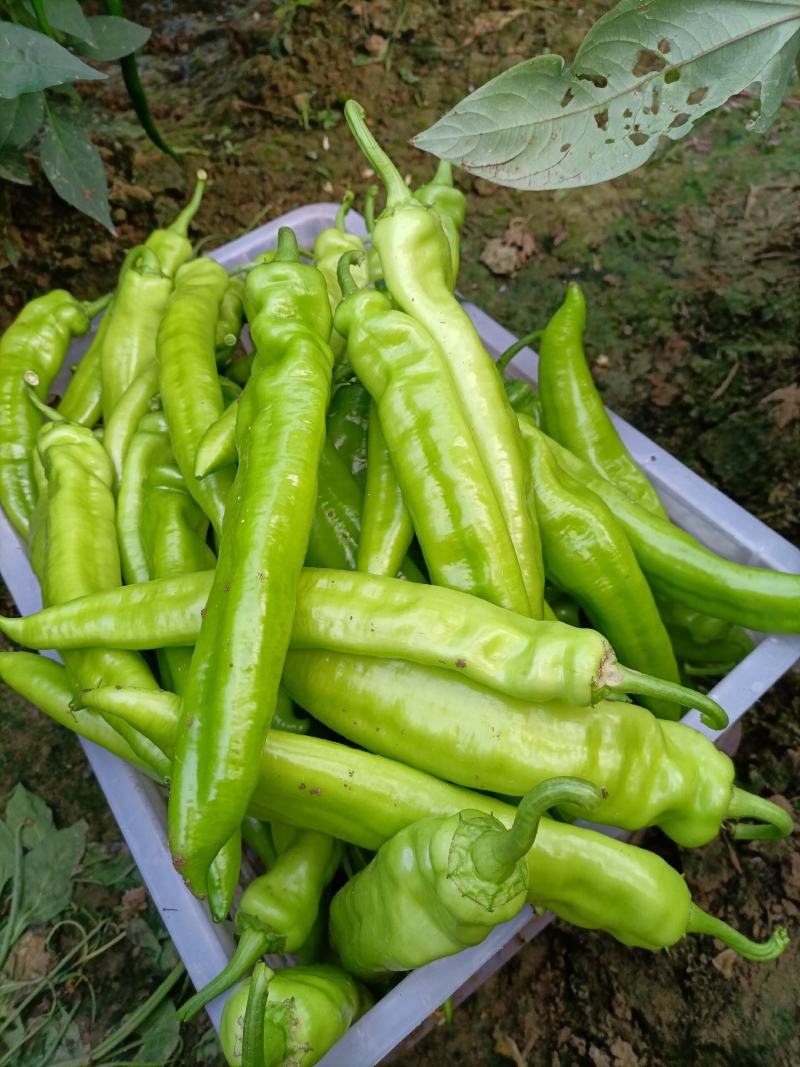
(129,345)
(450,206)
(308,1009)
(451,502)
(233,679)
(386,527)
(527,658)
(277,910)
(348,421)
(187,376)
(173,534)
(657,773)
(678,567)
(36,342)
(416,263)
(149,448)
(587,554)
(81,556)
(328,247)
(171,243)
(442,884)
(589,879)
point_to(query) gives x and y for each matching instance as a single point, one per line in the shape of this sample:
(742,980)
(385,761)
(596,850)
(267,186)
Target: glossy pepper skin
(386,527)
(587,554)
(574,414)
(233,680)
(82,401)
(230,319)
(129,345)
(277,910)
(139,398)
(37,341)
(656,773)
(453,508)
(450,206)
(416,262)
(386,617)
(174,541)
(81,556)
(308,1009)
(328,247)
(149,448)
(678,567)
(171,243)
(188,382)
(348,422)
(441,885)
(589,879)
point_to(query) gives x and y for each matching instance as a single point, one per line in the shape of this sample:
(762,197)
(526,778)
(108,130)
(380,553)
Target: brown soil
(691,271)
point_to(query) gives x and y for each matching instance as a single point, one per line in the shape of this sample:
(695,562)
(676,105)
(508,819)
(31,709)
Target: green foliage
(648,68)
(38,42)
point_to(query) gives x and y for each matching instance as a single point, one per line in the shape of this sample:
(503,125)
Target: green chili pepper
(430,625)
(386,527)
(81,557)
(129,344)
(188,379)
(348,419)
(233,680)
(46,685)
(523,399)
(216,449)
(307,1010)
(120,428)
(416,263)
(374,272)
(573,413)
(591,880)
(657,773)
(286,715)
(442,884)
(453,508)
(678,567)
(336,529)
(223,878)
(171,244)
(277,910)
(239,369)
(230,319)
(587,553)
(174,532)
(82,401)
(35,344)
(149,448)
(257,835)
(328,247)
(450,206)
(254,1017)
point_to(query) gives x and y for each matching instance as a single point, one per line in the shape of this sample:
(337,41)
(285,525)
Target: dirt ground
(691,268)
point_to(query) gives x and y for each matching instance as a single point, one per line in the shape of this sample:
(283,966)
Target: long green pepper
(233,680)
(386,527)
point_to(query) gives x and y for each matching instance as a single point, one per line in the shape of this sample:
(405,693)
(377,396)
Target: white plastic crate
(138,805)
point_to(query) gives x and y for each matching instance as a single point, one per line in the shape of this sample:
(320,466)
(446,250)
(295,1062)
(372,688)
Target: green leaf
(73,165)
(773,79)
(20,119)
(47,876)
(12,254)
(14,166)
(114,37)
(647,68)
(207,1049)
(160,1034)
(140,934)
(66,15)
(30,812)
(6,850)
(31,61)
(98,868)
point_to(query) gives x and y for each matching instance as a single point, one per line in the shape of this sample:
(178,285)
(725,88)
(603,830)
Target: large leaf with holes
(647,68)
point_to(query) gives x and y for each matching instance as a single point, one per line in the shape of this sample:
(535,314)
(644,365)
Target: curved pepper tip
(773,822)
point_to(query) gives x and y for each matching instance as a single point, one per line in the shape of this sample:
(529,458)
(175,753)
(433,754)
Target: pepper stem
(92,307)
(444,174)
(252,944)
(496,852)
(370,197)
(775,822)
(254,1016)
(346,280)
(700,922)
(287,250)
(180,225)
(618,679)
(31,381)
(396,189)
(503,360)
(344,207)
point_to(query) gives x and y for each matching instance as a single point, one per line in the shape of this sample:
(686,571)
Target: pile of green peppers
(373,611)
